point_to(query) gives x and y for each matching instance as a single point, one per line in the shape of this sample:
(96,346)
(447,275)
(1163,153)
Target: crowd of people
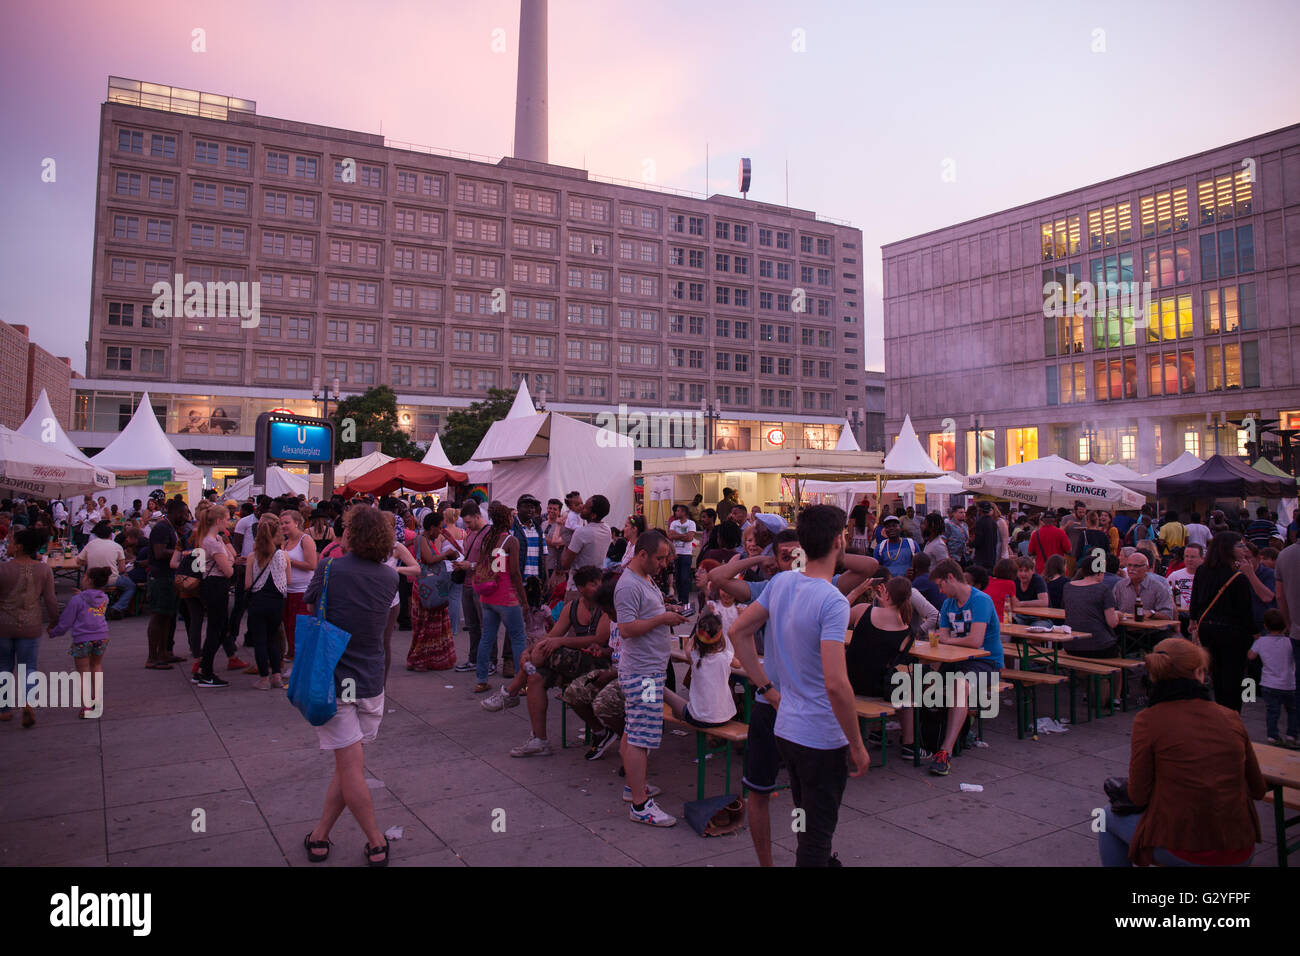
(567,598)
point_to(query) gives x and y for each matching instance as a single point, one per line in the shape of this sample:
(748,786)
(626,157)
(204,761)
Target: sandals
(373,851)
(313,846)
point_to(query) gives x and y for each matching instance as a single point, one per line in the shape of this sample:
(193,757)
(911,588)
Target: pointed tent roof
(1116,471)
(847,442)
(142,445)
(523,404)
(352,468)
(1147,483)
(34,427)
(907,457)
(1268,468)
(1226,477)
(278,482)
(435,455)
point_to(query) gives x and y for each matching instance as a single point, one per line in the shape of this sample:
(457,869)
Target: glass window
(1209,258)
(1246,248)
(1227,254)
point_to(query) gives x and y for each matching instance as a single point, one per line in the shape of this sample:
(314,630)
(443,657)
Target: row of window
(1166,318)
(1230,365)
(1219,198)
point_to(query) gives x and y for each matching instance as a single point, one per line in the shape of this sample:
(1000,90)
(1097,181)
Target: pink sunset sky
(865,114)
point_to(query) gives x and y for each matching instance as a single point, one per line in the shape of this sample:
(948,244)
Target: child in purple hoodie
(85,618)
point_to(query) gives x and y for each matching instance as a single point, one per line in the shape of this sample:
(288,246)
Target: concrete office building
(445,276)
(983,354)
(26,369)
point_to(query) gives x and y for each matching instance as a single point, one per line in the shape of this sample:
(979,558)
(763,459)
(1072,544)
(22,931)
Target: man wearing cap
(772,524)
(528,532)
(896,551)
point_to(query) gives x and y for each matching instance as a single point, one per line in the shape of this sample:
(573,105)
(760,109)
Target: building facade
(1128,321)
(25,369)
(442,276)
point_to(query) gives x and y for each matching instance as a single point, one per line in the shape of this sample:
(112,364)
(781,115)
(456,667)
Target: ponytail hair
(899,590)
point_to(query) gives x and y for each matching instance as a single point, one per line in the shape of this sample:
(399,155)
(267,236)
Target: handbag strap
(261,579)
(1235,575)
(324,589)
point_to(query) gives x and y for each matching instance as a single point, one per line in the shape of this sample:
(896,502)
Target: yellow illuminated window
(1108,225)
(1125,221)
(1184,316)
(1214,368)
(1223,191)
(1180,208)
(1205,201)
(1245,191)
(1074,234)
(1210,301)
(1164,220)
(1168,318)
(1022,444)
(1094,229)
(1147,213)
(1060,237)
(1080,382)
(1047,241)
(1232,366)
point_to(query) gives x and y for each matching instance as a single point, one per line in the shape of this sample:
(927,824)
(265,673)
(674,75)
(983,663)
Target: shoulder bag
(1194,627)
(186,582)
(318,646)
(434,583)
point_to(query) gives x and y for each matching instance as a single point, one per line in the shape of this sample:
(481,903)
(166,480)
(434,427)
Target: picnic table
(1126,622)
(66,567)
(1281,770)
(1025,638)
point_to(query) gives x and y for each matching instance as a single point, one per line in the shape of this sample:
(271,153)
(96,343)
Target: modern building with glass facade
(444,276)
(997,350)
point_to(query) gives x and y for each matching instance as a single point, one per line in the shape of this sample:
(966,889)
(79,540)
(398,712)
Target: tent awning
(1224,477)
(401,473)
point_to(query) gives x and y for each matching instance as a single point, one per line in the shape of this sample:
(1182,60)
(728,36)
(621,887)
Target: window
(1221,198)
(764,236)
(304,167)
(237,157)
(782,240)
(696,259)
(153,360)
(205,152)
(721,230)
(805,244)
(721,261)
(696,225)
(118,358)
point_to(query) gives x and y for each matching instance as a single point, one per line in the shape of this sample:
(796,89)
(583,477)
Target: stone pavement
(124,790)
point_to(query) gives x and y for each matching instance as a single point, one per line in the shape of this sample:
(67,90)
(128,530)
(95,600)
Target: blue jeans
(1113,842)
(15,651)
(683,569)
(453,606)
(128,591)
(1274,703)
(493,615)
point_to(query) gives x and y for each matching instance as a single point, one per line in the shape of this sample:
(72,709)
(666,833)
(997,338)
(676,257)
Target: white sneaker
(650,791)
(500,700)
(651,815)
(533,748)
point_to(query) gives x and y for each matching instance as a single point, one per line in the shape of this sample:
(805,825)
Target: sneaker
(533,748)
(598,749)
(500,700)
(1274,741)
(651,815)
(492,670)
(942,764)
(235,664)
(277,682)
(910,752)
(651,791)
(209,681)
(465,668)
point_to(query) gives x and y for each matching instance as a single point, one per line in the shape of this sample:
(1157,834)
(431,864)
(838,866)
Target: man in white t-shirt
(1180,581)
(590,542)
(103,552)
(1197,533)
(681,532)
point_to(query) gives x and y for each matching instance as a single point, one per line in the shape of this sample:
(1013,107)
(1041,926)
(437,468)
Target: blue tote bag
(318,647)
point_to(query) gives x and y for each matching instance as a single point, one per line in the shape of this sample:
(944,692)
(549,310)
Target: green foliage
(466,428)
(373,417)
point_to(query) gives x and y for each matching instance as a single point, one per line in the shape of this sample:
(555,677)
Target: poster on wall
(201,419)
(173,488)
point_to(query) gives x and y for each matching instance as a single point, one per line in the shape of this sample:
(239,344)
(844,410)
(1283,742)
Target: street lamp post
(977,426)
(324,395)
(712,411)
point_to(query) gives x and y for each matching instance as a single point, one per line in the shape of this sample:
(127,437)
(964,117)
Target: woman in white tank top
(301,552)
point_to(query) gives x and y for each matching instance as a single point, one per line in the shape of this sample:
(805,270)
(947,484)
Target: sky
(869,104)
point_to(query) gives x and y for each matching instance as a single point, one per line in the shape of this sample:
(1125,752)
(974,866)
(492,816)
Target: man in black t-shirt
(163,541)
(984,539)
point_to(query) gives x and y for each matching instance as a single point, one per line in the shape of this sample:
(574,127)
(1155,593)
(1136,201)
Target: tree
(466,428)
(371,417)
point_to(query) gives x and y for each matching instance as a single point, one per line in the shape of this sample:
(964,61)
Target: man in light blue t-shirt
(816,728)
(967,619)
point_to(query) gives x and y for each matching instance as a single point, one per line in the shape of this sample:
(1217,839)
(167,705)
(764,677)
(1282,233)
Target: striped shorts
(644,718)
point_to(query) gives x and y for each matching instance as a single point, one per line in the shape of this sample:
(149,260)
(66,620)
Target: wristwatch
(762,691)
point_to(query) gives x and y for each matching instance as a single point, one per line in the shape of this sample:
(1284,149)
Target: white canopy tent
(436,456)
(1053,482)
(907,457)
(278,482)
(143,446)
(43,426)
(847,442)
(36,469)
(1146,484)
(549,454)
(351,468)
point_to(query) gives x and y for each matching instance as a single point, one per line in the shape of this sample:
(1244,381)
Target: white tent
(37,469)
(41,425)
(278,482)
(143,446)
(1116,471)
(351,468)
(847,442)
(549,455)
(436,456)
(1053,482)
(907,457)
(1146,484)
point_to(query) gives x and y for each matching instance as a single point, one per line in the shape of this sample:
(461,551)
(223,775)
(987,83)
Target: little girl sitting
(711,703)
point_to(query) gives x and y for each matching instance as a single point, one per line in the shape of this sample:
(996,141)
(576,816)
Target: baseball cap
(894,519)
(773,523)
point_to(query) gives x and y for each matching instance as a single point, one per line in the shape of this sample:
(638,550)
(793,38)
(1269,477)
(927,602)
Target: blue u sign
(293,442)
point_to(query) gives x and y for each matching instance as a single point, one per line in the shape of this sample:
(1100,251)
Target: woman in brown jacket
(26,589)
(1192,767)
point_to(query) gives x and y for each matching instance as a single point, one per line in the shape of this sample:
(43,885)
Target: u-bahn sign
(283,436)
